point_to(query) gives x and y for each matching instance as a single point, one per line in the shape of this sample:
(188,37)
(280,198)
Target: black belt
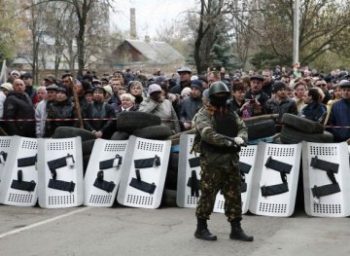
(141,185)
(19,184)
(26,161)
(284,169)
(100,183)
(68,186)
(147,162)
(62,185)
(331,169)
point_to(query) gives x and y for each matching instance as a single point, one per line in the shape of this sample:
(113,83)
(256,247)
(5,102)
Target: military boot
(203,232)
(237,232)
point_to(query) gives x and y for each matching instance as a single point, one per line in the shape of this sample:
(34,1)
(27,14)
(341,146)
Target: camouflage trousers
(215,177)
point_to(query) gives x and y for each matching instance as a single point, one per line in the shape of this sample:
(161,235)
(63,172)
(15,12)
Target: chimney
(147,39)
(132,23)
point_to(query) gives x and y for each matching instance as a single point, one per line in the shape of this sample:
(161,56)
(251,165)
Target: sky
(150,14)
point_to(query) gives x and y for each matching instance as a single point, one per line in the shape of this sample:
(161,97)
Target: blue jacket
(315,112)
(340,116)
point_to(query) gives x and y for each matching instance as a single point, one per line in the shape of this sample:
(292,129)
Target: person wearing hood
(156,104)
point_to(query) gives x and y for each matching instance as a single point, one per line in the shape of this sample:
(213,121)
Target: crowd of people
(323,98)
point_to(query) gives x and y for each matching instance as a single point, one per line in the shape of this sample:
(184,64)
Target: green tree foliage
(321,24)
(8,29)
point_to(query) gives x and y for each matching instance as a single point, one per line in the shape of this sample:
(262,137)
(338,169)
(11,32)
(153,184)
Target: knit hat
(52,87)
(7,86)
(63,90)
(154,88)
(197,84)
(108,89)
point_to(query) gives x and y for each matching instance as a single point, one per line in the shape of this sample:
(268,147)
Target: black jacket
(99,110)
(19,106)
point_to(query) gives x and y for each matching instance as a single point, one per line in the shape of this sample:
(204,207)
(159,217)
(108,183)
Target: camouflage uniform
(219,160)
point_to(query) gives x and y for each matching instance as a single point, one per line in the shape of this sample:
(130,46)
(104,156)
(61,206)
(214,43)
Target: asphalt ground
(165,231)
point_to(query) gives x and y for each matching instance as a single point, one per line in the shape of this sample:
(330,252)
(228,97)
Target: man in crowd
(256,96)
(185,80)
(267,83)
(99,109)
(280,103)
(40,111)
(30,90)
(18,105)
(339,115)
(192,104)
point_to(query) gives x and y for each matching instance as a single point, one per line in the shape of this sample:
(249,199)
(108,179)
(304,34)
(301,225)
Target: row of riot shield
(270,177)
(50,172)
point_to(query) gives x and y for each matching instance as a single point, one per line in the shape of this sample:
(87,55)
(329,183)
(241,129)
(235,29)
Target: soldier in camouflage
(219,135)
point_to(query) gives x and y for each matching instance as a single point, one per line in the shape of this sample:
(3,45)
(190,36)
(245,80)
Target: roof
(159,52)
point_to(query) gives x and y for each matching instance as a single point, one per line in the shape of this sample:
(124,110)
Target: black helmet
(218,87)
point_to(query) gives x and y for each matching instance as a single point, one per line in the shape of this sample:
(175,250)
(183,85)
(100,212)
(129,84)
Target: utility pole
(296,32)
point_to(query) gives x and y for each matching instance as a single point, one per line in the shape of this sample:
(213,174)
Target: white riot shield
(247,158)
(275,180)
(19,184)
(144,172)
(103,173)
(326,179)
(188,181)
(60,171)
(5,143)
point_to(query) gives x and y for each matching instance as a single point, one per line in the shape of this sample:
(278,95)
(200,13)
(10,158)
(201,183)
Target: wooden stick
(76,104)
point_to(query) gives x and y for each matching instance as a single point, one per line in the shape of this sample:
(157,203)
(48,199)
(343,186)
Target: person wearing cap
(280,103)
(156,104)
(15,74)
(109,94)
(62,107)
(96,83)
(41,110)
(191,105)
(49,80)
(256,96)
(18,105)
(339,115)
(185,80)
(30,90)
(99,109)
(5,89)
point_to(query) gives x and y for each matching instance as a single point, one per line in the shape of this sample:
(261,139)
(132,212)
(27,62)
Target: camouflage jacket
(205,125)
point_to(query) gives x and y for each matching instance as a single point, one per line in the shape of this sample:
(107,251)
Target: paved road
(166,231)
